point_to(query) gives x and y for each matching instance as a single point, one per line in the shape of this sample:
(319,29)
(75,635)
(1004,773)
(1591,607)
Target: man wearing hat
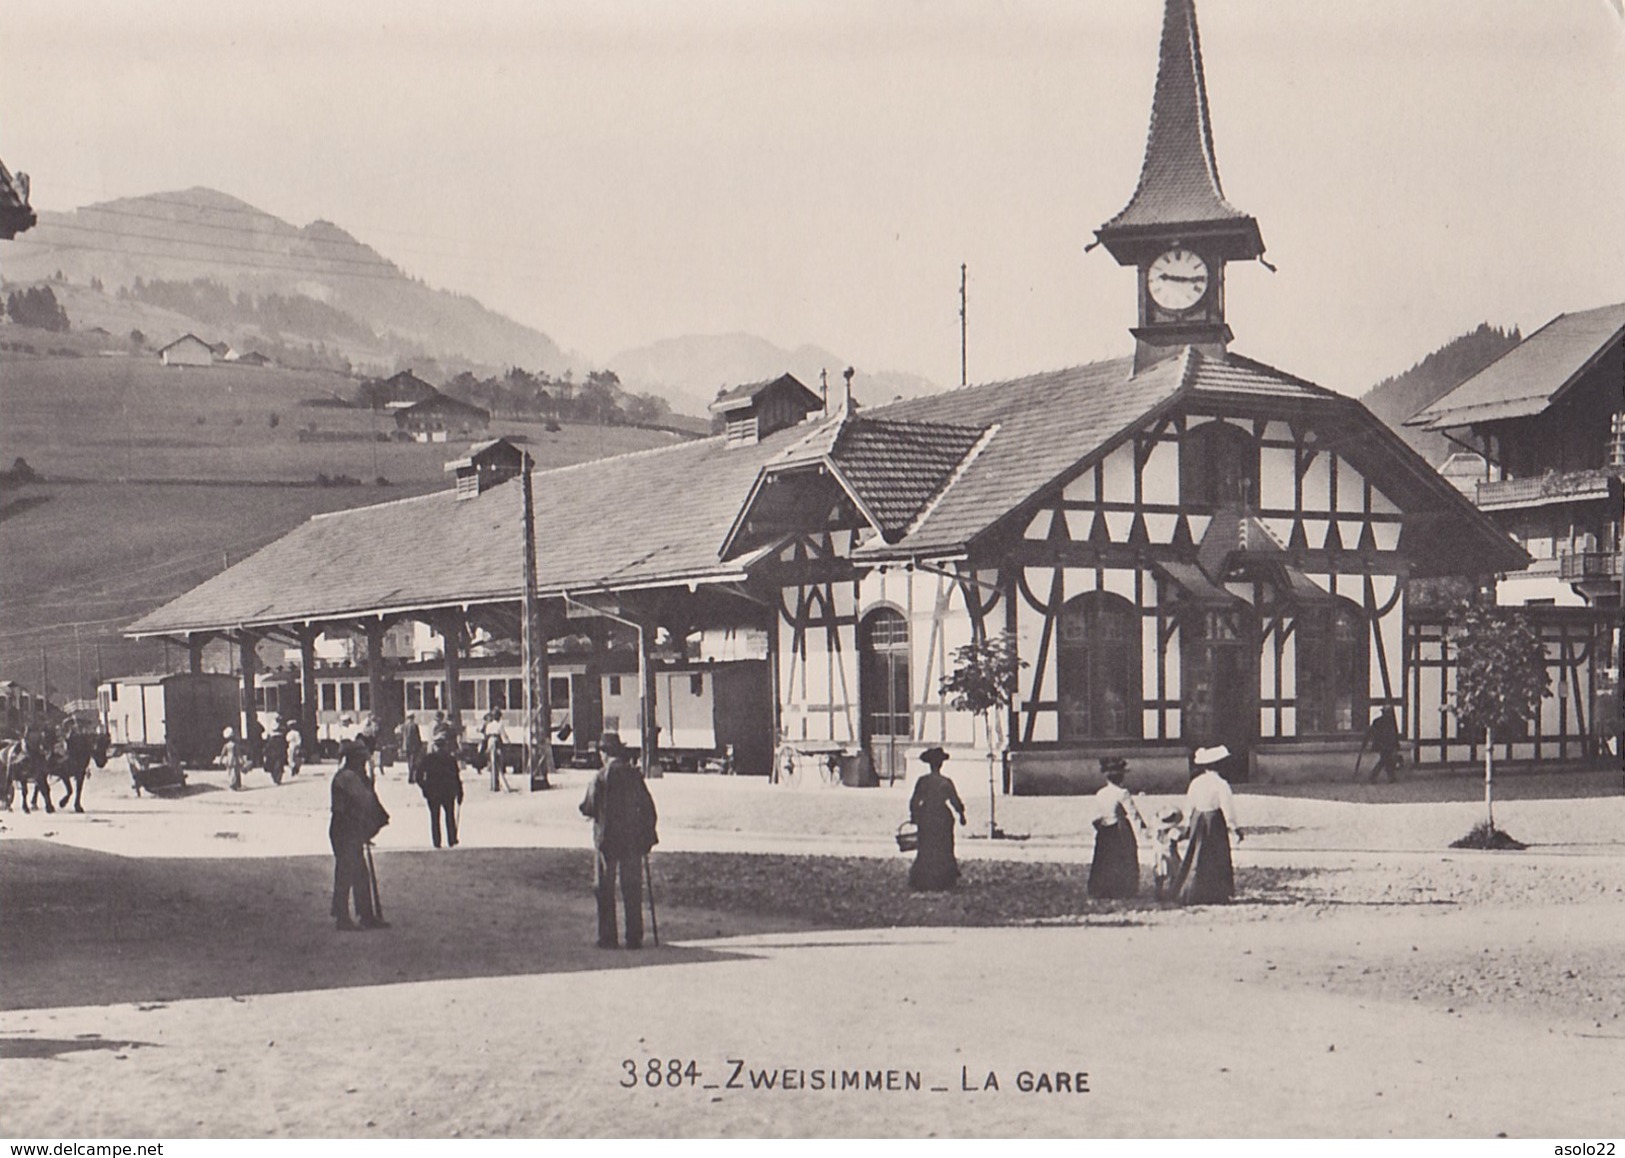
(442,785)
(1206,875)
(932,808)
(623,832)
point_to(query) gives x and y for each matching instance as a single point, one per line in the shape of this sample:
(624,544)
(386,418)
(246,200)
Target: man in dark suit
(623,832)
(357,818)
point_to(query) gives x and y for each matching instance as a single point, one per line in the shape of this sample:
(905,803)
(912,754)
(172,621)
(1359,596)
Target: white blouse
(1107,800)
(1208,792)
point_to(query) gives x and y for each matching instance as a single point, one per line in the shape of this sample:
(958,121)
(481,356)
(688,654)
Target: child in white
(1165,854)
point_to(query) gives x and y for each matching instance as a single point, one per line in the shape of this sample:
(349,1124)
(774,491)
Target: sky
(816,171)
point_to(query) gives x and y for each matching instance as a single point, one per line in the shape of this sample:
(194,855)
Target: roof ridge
(968,387)
(376,506)
(646,452)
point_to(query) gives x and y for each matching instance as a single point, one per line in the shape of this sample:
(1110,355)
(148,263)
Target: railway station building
(1185,544)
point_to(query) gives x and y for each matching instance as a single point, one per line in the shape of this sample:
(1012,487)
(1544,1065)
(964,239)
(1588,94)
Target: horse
(16,767)
(71,766)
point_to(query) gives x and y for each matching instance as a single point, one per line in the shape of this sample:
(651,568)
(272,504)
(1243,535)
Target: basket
(908,836)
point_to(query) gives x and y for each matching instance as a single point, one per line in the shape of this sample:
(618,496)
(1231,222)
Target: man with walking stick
(358,816)
(623,832)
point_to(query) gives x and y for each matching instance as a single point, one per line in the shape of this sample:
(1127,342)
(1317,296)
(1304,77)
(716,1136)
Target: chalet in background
(187,350)
(1547,421)
(1186,545)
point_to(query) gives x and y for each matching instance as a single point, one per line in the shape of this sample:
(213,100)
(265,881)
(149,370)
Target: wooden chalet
(437,417)
(187,350)
(1187,545)
(1547,422)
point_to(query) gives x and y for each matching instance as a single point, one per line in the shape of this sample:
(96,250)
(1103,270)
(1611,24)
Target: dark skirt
(1115,870)
(1206,876)
(934,866)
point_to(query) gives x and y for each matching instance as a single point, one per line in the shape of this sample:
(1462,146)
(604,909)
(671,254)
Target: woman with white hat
(1206,876)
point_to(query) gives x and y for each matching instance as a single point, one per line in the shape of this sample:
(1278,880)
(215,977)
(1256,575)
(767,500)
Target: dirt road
(1365,985)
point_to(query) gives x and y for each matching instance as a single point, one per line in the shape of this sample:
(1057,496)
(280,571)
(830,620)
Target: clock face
(1177,280)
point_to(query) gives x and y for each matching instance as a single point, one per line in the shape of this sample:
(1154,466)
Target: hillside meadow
(152,478)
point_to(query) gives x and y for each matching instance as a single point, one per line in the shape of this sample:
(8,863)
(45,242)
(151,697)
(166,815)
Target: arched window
(883,678)
(1218,467)
(1333,663)
(1218,659)
(1098,668)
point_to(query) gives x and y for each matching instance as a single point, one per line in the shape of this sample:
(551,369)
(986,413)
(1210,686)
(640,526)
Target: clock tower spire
(1177,230)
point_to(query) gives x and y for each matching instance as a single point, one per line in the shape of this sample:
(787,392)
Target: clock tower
(1177,230)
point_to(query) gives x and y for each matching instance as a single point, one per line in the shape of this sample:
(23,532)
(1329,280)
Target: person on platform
(296,748)
(1382,738)
(441,782)
(410,739)
(932,808)
(274,752)
(1206,875)
(494,738)
(357,817)
(623,831)
(1114,873)
(232,757)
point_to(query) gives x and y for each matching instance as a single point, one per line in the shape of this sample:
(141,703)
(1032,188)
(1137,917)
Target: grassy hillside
(153,477)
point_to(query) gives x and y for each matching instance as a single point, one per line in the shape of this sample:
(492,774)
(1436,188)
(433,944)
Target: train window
(414,696)
(431,695)
(558,691)
(497,694)
(330,698)
(465,695)
(112,693)
(346,697)
(516,693)
(364,695)
(696,684)
(614,685)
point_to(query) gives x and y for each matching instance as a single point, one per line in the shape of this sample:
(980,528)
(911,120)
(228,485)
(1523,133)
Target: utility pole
(538,714)
(964,377)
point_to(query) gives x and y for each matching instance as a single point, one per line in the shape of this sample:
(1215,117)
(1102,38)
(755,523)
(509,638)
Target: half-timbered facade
(1185,545)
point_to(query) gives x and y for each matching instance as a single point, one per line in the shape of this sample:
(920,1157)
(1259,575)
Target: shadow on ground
(48,1047)
(88,928)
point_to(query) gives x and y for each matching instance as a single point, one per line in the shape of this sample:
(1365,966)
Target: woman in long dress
(1207,876)
(932,809)
(1115,870)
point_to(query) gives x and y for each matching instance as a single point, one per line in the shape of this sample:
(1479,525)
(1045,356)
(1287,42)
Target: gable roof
(741,396)
(1533,374)
(187,338)
(1179,179)
(647,518)
(438,402)
(939,475)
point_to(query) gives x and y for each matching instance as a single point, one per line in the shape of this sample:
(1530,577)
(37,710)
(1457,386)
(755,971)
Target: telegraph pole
(538,717)
(964,377)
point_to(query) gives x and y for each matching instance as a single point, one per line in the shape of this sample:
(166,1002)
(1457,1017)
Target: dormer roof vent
(752,412)
(484,466)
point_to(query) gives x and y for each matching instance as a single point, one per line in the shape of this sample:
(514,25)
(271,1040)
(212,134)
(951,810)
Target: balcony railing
(1553,487)
(1589,565)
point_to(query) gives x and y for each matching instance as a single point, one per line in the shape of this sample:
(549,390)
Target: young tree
(984,681)
(1501,678)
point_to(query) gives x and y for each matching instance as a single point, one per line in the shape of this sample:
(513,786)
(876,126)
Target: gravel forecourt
(170,971)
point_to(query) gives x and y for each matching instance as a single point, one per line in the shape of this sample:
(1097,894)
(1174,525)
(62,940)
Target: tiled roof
(1530,376)
(896,467)
(648,517)
(1179,181)
(1046,424)
(937,473)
